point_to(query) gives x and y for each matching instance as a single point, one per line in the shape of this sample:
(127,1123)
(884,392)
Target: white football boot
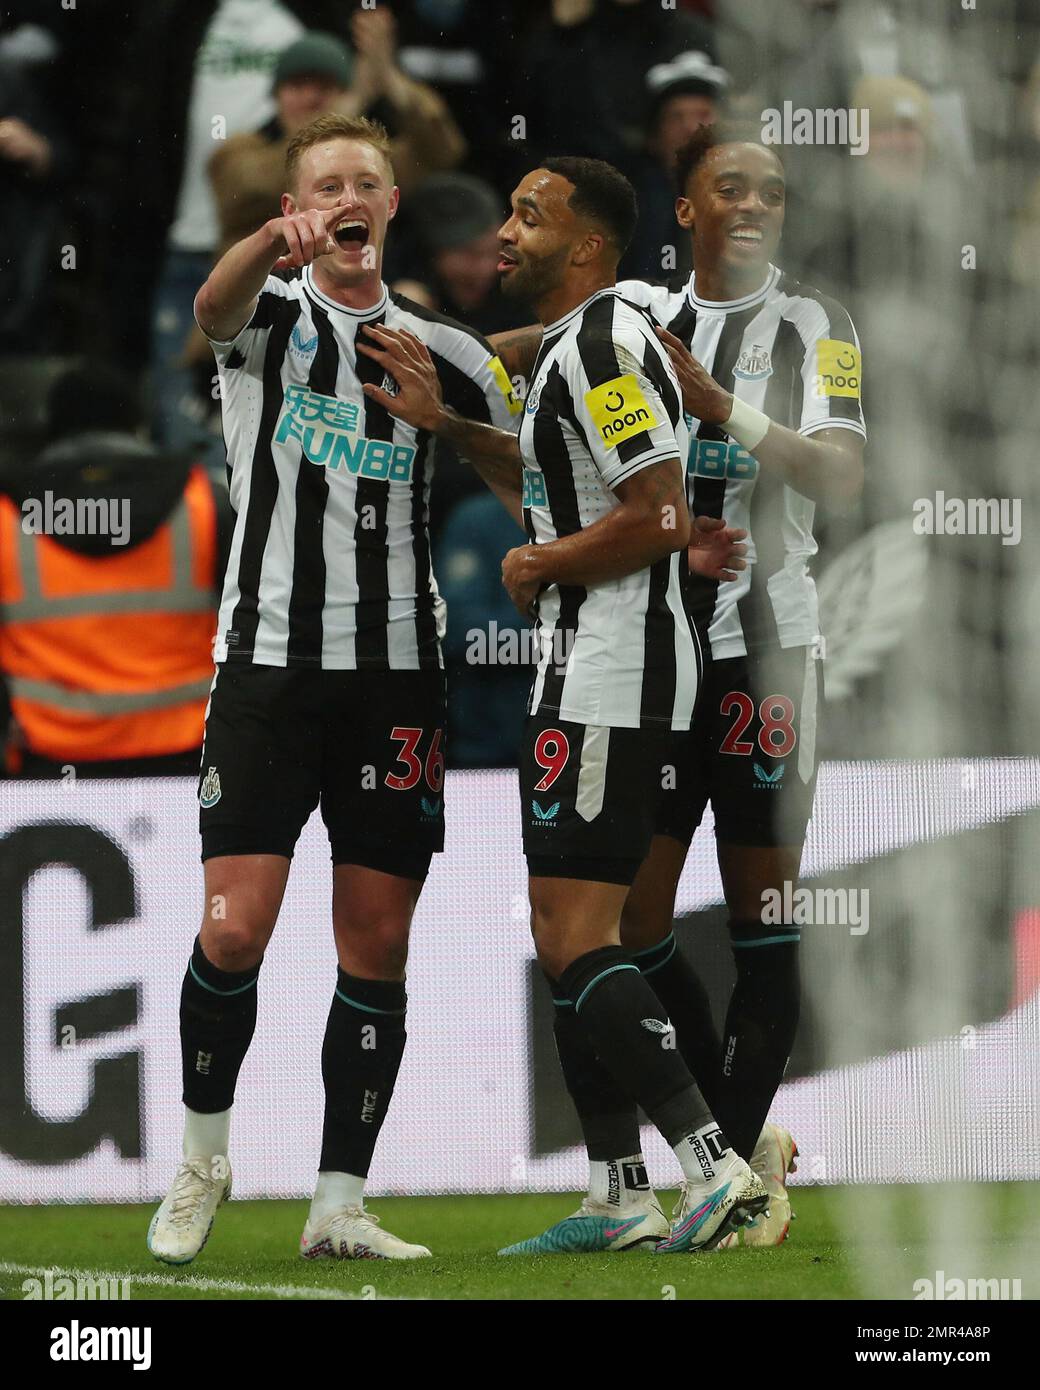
(352,1233)
(181,1226)
(773,1159)
(708,1212)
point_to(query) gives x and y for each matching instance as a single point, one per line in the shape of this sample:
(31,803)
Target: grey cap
(315,54)
(452,209)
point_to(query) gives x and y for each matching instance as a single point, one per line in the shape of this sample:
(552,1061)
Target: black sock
(218,1018)
(360,1058)
(679,988)
(626,1025)
(607,1115)
(760,1026)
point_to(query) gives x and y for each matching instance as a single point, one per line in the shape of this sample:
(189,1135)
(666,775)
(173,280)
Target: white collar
(729,306)
(578,310)
(372,312)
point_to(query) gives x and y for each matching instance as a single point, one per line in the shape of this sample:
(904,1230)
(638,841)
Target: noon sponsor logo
(619,410)
(839,370)
(505,385)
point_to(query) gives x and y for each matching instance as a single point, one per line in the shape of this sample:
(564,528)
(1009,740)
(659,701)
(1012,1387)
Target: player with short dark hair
(771,377)
(329,686)
(596,474)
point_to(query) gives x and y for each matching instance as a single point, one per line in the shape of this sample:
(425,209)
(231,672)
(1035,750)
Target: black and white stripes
(792,353)
(330,560)
(602,405)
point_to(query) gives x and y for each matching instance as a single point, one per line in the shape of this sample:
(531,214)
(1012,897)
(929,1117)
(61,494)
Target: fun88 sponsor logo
(326,430)
(534,489)
(712,458)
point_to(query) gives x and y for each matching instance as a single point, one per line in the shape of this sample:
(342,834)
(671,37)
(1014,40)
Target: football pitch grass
(252,1251)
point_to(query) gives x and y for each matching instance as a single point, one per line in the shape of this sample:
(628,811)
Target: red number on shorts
(551,751)
(732,743)
(770,726)
(409,739)
(435,763)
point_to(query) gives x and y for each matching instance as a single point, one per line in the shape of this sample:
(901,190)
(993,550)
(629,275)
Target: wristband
(746,425)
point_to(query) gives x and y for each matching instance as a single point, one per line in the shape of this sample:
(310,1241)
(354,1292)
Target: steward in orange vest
(110,570)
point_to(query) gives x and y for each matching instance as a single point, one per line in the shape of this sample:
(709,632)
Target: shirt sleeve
(653,298)
(832,369)
(626,402)
(247,342)
(473,377)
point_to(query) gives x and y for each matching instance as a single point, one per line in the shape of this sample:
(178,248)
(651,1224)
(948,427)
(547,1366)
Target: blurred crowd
(137,142)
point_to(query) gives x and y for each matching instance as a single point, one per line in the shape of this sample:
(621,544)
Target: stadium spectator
(488,682)
(34,163)
(215,82)
(585,68)
(111,554)
(316,74)
(467,50)
(228,75)
(686,93)
(452,222)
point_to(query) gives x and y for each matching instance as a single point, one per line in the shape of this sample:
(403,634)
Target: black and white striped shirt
(330,559)
(792,353)
(604,403)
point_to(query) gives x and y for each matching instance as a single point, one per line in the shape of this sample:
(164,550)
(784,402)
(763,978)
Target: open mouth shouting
(351,233)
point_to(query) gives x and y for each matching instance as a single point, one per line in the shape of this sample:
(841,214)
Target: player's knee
(376,944)
(232,946)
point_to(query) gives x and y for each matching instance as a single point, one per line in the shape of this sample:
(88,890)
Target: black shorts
(589,797)
(365,745)
(751,751)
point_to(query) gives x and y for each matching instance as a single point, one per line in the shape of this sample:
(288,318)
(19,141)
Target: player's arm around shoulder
(419,401)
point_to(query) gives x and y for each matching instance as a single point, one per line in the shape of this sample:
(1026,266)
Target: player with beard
(597,472)
(771,377)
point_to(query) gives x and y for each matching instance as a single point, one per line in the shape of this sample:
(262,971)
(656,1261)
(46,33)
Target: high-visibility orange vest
(110,656)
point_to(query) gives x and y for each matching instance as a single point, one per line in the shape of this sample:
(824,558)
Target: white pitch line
(189,1281)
